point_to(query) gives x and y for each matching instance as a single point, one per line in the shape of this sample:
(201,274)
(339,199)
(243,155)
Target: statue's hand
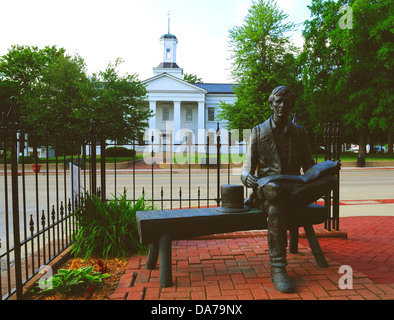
(251,181)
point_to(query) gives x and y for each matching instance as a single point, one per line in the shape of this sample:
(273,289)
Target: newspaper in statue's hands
(319,170)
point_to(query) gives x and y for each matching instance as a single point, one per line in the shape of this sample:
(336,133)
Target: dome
(168,36)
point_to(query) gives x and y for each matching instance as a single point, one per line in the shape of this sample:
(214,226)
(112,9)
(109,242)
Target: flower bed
(98,291)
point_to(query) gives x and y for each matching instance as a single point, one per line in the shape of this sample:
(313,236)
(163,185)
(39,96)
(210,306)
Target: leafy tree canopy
(263,58)
(55,94)
(348,64)
(191,78)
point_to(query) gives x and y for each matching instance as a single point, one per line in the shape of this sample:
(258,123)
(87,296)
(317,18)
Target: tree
(8,89)
(348,61)
(263,58)
(117,104)
(53,101)
(22,64)
(20,69)
(55,93)
(191,78)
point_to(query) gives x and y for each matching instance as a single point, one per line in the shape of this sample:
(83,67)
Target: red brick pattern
(369,247)
(237,268)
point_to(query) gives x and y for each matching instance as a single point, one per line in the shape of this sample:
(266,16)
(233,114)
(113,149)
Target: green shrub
(28,160)
(109,228)
(2,159)
(66,280)
(119,152)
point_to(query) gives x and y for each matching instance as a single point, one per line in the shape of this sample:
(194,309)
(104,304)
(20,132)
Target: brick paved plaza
(235,267)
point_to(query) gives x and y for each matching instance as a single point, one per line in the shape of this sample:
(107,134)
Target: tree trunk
(362,142)
(390,143)
(371,144)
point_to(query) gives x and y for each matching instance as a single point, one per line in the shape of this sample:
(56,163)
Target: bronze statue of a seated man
(277,151)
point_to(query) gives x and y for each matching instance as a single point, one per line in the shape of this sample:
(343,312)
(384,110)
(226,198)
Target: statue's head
(281,102)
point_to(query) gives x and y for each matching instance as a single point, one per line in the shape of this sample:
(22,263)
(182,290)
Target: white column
(177,121)
(152,120)
(201,115)
(201,126)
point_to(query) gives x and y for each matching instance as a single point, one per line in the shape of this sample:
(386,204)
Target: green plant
(119,152)
(8,159)
(66,280)
(108,228)
(28,160)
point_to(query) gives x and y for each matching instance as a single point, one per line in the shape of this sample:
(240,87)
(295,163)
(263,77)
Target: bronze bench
(157,228)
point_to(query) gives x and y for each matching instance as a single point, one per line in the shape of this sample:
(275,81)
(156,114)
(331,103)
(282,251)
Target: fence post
(332,152)
(218,163)
(327,156)
(336,189)
(102,159)
(93,164)
(13,126)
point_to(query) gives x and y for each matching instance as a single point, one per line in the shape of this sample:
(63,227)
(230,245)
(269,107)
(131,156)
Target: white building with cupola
(182,110)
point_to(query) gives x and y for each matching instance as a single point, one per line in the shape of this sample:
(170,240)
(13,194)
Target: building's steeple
(169,45)
(169,20)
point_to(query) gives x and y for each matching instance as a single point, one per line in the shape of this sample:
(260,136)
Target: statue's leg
(277,234)
(277,243)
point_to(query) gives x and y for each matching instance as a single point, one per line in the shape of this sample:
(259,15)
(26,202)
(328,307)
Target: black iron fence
(42,177)
(332,151)
(37,206)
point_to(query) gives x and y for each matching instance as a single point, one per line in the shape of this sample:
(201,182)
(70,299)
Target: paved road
(367,185)
(355,184)
(362,184)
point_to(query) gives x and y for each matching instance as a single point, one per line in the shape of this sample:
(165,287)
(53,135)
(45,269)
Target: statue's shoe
(281,280)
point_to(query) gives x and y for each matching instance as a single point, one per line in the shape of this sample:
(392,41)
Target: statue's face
(281,107)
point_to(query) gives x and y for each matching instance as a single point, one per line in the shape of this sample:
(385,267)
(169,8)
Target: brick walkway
(236,267)
(369,247)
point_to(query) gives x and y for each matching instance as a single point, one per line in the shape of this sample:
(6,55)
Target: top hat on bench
(232,199)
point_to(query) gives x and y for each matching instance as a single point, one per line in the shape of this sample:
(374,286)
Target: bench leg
(153,255)
(293,240)
(165,261)
(315,246)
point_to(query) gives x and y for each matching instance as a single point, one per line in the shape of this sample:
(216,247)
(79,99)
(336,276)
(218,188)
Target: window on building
(189,114)
(211,114)
(168,52)
(166,113)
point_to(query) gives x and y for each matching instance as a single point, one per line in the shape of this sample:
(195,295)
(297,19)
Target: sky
(102,31)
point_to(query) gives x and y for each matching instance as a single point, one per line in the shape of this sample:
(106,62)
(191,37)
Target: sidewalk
(235,267)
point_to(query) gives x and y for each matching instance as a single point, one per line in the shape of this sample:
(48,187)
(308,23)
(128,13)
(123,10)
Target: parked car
(379,149)
(354,148)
